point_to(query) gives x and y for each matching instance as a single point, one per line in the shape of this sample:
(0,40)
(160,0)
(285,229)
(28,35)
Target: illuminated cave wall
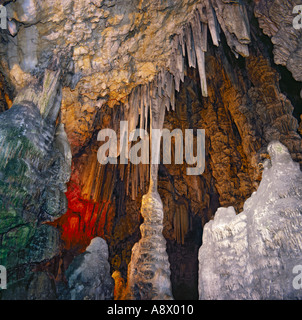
(251,101)
(238,124)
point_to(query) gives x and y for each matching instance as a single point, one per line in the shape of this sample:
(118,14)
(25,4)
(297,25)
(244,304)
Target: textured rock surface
(89,276)
(111,43)
(107,48)
(35,164)
(276,19)
(251,255)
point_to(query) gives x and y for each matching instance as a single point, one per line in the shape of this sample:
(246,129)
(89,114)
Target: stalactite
(108,182)
(134,178)
(87,190)
(204,37)
(200,50)
(146,104)
(190,47)
(192,39)
(141,176)
(181,223)
(239,36)
(98,183)
(128,179)
(213,24)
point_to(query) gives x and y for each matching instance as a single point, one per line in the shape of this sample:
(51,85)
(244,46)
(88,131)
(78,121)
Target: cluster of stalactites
(210,16)
(191,41)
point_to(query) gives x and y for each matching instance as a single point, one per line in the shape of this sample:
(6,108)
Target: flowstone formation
(35,165)
(252,255)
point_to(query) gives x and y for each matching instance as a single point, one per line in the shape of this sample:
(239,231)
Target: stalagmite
(109,48)
(88,276)
(252,255)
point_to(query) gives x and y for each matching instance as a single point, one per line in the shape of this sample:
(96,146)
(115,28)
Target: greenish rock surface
(33,177)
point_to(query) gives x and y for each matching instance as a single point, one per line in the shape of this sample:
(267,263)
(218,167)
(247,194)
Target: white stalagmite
(252,255)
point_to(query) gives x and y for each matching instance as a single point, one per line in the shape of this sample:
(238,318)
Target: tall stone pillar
(149,269)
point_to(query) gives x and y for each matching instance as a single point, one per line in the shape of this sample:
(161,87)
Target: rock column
(149,269)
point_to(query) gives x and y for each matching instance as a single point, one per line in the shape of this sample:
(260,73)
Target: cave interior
(70,69)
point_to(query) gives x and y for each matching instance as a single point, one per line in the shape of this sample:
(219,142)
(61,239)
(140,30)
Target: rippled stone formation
(35,164)
(149,272)
(276,19)
(252,255)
